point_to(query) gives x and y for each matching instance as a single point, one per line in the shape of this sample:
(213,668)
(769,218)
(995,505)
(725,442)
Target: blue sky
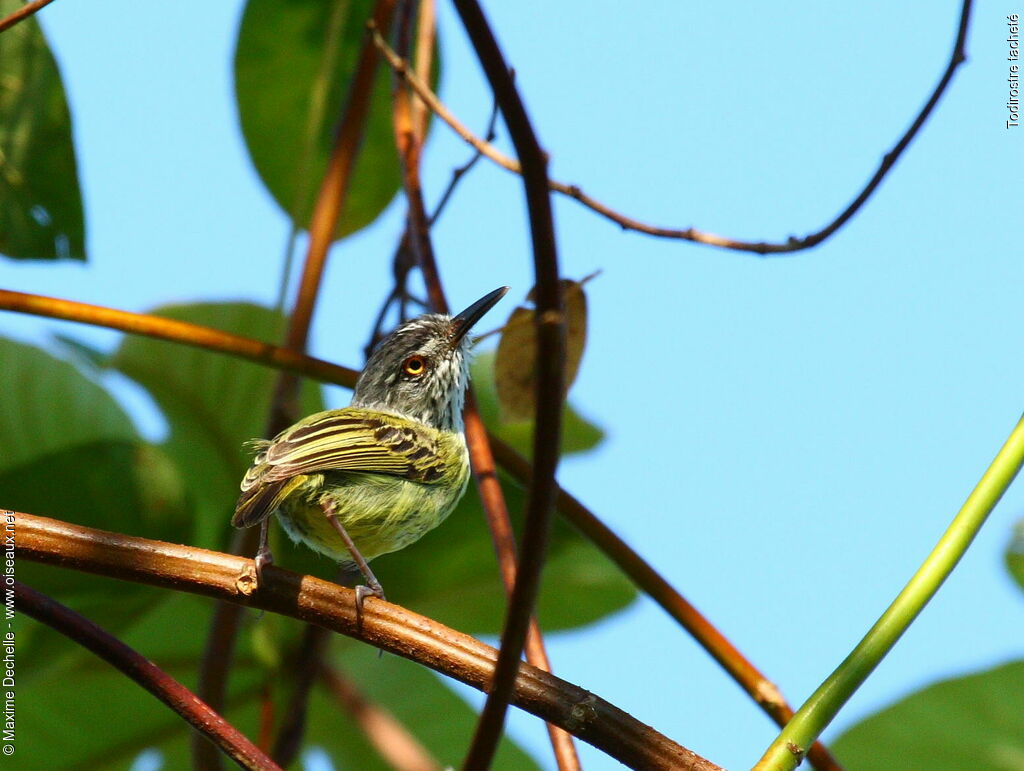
(787,437)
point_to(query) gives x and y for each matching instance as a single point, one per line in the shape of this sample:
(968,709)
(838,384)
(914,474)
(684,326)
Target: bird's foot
(374,590)
(262,559)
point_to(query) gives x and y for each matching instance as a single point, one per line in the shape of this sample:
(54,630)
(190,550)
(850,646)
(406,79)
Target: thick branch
(386,626)
(144,672)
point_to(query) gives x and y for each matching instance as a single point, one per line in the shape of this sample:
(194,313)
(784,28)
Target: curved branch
(209,723)
(28,9)
(390,627)
(792,244)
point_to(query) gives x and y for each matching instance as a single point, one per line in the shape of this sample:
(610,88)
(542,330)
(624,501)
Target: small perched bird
(373,477)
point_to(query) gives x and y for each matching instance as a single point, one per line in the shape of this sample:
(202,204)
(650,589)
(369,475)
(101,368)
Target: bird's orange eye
(415,365)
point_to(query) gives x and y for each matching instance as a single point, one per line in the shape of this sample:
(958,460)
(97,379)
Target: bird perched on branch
(373,477)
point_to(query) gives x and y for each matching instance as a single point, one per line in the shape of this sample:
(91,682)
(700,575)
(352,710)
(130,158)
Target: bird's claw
(362,592)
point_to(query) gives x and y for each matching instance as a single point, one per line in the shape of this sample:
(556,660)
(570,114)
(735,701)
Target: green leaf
(47,405)
(294,63)
(40,203)
(578,434)
(972,723)
(1015,554)
(115,719)
(213,403)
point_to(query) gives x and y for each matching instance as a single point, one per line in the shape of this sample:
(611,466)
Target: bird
(373,477)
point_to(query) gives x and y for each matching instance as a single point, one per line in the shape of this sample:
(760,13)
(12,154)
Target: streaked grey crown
(435,397)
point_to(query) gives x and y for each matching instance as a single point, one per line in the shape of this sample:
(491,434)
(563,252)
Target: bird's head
(421,370)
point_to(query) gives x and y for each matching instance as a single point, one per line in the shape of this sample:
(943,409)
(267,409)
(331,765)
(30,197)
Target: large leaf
(294,64)
(213,403)
(47,405)
(69,452)
(40,203)
(973,723)
(1015,554)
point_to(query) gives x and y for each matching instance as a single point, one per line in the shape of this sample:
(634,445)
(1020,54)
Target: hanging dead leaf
(515,366)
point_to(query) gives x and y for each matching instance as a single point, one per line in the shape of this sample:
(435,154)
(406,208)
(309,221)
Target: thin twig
(389,737)
(460,171)
(792,244)
(550,320)
(493,500)
(632,564)
(144,672)
(381,624)
(22,13)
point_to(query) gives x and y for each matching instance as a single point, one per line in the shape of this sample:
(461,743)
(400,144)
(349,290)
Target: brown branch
(631,563)
(144,672)
(410,147)
(550,320)
(389,737)
(193,335)
(22,13)
(381,624)
(792,244)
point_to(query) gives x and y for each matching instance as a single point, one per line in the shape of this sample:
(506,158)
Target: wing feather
(350,439)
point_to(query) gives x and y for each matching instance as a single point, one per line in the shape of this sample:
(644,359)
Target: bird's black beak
(463,322)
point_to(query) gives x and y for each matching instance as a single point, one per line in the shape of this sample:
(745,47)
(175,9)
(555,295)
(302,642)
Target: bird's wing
(351,439)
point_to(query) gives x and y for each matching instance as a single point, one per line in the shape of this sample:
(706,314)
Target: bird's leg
(263,555)
(362,592)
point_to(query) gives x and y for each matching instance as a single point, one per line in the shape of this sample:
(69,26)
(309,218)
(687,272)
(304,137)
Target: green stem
(817,712)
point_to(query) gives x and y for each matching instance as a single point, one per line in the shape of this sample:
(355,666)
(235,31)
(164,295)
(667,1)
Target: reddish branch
(386,626)
(550,370)
(144,672)
(22,13)
(792,244)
